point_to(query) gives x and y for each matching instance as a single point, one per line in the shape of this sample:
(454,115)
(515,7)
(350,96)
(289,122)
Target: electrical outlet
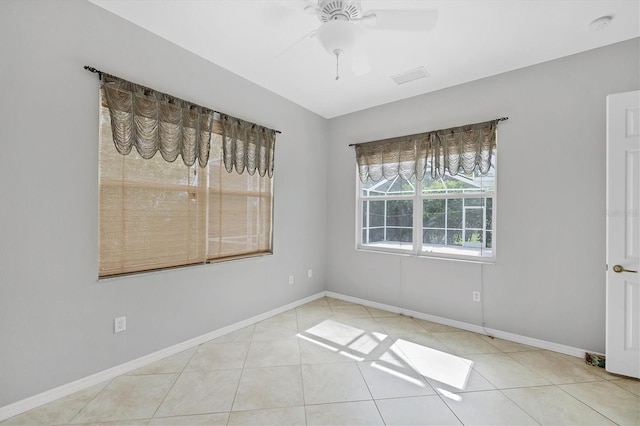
(476,296)
(310,273)
(290,279)
(119,324)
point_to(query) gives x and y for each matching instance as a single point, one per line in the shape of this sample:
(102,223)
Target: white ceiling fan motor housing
(343,10)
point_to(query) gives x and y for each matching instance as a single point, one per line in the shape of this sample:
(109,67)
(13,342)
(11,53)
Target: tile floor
(331,362)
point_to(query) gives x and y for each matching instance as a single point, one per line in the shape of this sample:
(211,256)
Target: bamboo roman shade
(157,213)
(463,148)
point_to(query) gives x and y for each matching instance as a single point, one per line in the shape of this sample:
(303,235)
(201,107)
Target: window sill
(428,255)
(192,265)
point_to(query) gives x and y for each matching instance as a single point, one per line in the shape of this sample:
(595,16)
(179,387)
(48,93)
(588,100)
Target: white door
(623,234)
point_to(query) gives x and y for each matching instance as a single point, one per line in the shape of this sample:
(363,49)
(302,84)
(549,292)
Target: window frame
(417,235)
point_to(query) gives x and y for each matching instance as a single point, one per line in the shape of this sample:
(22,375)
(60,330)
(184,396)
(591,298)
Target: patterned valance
(247,146)
(463,148)
(153,121)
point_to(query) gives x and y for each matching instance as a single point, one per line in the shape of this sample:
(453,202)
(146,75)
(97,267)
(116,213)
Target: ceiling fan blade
(296,46)
(400,20)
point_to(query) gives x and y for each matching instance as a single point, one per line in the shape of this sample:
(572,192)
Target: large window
(450,216)
(155,214)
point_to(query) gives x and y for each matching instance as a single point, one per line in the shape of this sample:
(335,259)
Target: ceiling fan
(343,24)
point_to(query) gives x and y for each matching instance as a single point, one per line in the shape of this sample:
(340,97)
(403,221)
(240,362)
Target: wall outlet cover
(119,324)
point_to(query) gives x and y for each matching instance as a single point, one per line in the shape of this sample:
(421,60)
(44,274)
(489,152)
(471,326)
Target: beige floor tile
(416,341)
(386,380)
(368,325)
(416,411)
(632,385)
(502,371)
(399,325)
(549,405)
(359,413)
(321,302)
(242,335)
(269,417)
(601,372)
(316,352)
(307,314)
(171,364)
(613,402)
(555,367)
(434,327)
(218,356)
(340,382)
(355,311)
(373,346)
(134,422)
(305,324)
(507,345)
(330,328)
(58,412)
(269,387)
(278,330)
(598,371)
(127,398)
(216,419)
(442,367)
(465,342)
(289,315)
(339,302)
(487,408)
(474,382)
(200,392)
(379,313)
(273,353)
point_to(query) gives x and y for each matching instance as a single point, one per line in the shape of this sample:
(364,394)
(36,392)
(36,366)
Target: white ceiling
(471,40)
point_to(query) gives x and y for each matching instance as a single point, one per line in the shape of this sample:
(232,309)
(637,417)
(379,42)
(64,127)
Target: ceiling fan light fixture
(339,35)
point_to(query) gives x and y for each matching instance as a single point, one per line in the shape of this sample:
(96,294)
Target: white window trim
(417,198)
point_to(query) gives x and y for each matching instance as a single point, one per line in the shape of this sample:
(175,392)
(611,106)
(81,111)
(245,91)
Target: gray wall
(548,281)
(56,319)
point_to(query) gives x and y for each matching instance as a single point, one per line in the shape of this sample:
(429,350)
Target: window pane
(433,236)
(454,237)
(393,187)
(489,213)
(376,213)
(471,202)
(457,226)
(390,223)
(473,218)
(434,213)
(400,213)
(239,220)
(454,213)
(462,182)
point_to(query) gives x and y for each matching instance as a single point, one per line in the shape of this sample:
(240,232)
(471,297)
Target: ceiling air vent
(407,76)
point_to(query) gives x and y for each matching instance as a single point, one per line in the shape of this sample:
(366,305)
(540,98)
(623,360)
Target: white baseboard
(530,341)
(35,401)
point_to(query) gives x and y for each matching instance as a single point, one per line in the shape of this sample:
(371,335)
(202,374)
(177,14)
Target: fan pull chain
(337,52)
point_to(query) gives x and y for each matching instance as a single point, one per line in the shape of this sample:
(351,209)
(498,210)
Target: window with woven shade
(156,213)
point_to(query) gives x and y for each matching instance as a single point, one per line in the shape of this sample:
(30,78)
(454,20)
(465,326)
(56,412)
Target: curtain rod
(97,71)
(497,119)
